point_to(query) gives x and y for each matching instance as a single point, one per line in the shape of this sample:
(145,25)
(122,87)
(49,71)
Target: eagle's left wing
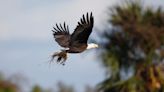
(62,35)
(83,30)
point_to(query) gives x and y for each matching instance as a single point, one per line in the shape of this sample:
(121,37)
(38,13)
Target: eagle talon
(61,57)
(63,63)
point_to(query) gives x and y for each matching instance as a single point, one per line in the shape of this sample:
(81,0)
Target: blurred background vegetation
(132,53)
(13,84)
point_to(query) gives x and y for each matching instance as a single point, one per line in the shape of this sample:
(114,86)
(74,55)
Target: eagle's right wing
(62,35)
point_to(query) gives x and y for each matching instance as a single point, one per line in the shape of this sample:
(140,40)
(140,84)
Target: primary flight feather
(75,42)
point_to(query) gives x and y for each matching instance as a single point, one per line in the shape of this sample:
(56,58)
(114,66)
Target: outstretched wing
(83,30)
(62,35)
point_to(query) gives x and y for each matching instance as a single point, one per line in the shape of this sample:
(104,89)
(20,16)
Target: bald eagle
(75,42)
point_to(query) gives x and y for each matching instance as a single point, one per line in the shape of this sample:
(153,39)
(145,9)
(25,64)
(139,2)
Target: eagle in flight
(75,42)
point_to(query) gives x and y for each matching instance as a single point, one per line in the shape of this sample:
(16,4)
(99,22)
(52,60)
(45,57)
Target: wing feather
(58,28)
(83,30)
(87,18)
(84,19)
(62,28)
(65,27)
(61,35)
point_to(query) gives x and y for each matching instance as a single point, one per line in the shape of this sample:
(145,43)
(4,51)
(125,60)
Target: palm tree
(133,51)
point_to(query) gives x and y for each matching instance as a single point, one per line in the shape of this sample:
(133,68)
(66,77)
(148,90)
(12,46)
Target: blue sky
(26,40)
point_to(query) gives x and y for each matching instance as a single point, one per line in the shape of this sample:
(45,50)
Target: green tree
(7,85)
(61,87)
(36,88)
(90,89)
(133,50)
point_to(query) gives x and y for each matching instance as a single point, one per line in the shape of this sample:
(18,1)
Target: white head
(92,45)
